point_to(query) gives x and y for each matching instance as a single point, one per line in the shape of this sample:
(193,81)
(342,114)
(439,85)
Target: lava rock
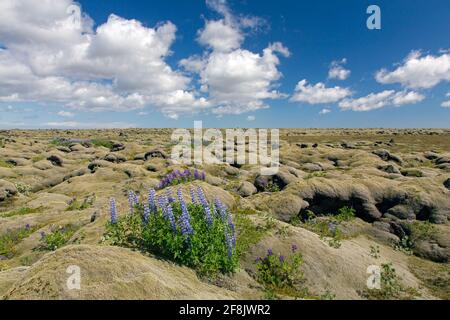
(247,189)
(447,183)
(56,160)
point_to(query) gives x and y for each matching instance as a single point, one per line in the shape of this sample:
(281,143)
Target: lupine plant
(198,233)
(281,274)
(177,177)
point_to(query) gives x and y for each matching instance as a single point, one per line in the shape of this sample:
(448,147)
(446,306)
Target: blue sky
(168,63)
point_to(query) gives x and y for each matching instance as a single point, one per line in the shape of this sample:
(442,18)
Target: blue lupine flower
(180,196)
(170,217)
(222,209)
(294,248)
(203,177)
(146,213)
(232,228)
(229,245)
(269,252)
(282,258)
(131,199)
(205,204)
(185,223)
(151,200)
(194,200)
(169,195)
(113,212)
(196,175)
(162,201)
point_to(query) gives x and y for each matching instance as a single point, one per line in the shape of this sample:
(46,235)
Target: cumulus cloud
(54,55)
(325,111)
(418,71)
(235,80)
(251,118)
(446,104)
(318,93)
(382,99)
(337,71)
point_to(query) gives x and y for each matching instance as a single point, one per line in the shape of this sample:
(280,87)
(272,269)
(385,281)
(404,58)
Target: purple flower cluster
(167,211)
(112,210)
(146,213)
(205,205)
(221,209)
(176,177)
(185,220)
(152,200)
(132,200)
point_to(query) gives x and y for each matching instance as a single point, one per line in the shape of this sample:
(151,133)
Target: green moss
(21,212)
(248,233)
(4,164)
(11,238)
(102,143)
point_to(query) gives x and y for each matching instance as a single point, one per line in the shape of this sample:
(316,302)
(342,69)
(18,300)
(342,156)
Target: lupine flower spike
(112,210)
(131,199)
(146,213)
(205,204)
(151,200)
(193,199)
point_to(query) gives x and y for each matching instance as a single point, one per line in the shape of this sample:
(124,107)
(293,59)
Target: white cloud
(382,99)
(236,80)
(318,93)
(324,111)
(411,97)
(88,125)
(446,104)
(54,55)
(418,71)
(67,114)
(251,118)
(220,36)
(337,71)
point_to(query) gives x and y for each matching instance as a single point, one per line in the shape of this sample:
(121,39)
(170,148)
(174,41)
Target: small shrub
(23,188)
(375,252)
(280,274)
(200,235)
(391,288)
(317,174)
(345,214)
(328,230)
(61,142)
(405,245)
(13,237)
(76,205)
(57,238)
(271,187)
(418,231)
(177,177)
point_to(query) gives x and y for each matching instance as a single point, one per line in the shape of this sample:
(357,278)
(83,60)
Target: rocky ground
(397,181)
